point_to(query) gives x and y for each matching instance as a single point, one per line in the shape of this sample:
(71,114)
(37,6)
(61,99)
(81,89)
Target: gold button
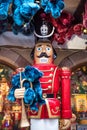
(49,87)
(50,81)
(51,75)
(52,68)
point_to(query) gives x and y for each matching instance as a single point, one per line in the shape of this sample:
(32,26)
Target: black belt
(49,95)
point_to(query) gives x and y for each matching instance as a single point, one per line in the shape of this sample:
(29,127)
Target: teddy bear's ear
(38,74)
(32,73)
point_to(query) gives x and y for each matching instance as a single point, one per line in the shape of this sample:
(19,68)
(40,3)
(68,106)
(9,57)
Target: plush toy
(32,95)
(24,10)
(63,27)
(78,29)
(53,6)
(4,8)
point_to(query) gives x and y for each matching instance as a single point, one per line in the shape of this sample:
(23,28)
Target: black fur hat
(43,27)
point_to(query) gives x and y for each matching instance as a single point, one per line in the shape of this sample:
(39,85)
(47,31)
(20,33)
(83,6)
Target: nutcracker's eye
(39,49)
(48,48)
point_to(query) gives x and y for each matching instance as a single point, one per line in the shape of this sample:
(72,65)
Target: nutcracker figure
(55,81)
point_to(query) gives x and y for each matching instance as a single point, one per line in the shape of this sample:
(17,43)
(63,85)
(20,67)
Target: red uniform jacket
(54,81)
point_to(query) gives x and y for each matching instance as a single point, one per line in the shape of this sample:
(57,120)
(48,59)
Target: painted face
(43,53)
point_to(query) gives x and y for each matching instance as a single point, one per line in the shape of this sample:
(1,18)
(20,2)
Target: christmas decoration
(79,80)
(18,16)
(54,7)
(79,91)
(4,8)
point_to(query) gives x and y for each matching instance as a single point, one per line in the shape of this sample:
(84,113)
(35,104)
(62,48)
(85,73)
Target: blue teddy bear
(53,6)
(32,95)
(23,12)
(4,8)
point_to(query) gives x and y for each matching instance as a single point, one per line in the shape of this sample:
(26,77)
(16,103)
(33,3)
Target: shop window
(10,113)
(79,94)
(79,80)
(5,106)
(5,81)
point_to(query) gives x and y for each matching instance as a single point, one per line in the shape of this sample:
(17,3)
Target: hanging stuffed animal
(4,8)
(24,10)
(32,95)
(53,6)
(63,27)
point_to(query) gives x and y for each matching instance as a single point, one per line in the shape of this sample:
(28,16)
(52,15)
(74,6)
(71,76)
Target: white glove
(19,93)
(65,124)
(73,118)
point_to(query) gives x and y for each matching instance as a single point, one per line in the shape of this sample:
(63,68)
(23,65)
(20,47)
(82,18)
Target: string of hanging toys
(18,16)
